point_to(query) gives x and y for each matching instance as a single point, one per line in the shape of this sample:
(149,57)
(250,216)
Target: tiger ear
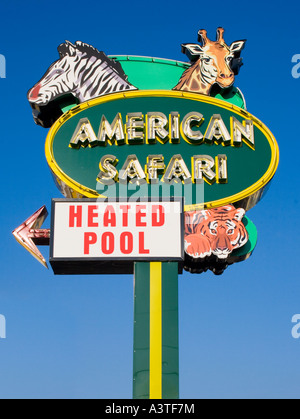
(206,213)
(239,214)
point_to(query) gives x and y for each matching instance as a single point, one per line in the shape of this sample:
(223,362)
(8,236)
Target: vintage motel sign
(143,132)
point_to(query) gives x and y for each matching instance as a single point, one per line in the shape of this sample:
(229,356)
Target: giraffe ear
(237,46)
(192,51)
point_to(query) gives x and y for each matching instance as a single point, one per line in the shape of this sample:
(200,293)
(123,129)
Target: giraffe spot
(194,85)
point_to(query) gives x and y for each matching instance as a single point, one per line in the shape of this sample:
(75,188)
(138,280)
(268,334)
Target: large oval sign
(162,143)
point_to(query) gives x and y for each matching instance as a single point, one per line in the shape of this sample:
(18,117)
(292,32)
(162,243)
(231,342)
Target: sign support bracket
(156,347)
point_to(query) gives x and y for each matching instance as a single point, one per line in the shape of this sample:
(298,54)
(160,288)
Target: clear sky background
(72,336)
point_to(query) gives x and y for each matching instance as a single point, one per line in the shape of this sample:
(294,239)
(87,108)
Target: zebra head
(81,73)
(59,79)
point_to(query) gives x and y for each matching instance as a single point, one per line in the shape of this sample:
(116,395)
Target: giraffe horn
(220,32)
(202,36)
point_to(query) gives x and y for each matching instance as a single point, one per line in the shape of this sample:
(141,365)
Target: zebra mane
(70,49)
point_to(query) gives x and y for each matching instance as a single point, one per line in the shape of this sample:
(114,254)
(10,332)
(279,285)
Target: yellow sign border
(246,198)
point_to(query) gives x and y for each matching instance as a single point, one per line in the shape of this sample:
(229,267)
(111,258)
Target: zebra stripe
(99,79)
(86,74)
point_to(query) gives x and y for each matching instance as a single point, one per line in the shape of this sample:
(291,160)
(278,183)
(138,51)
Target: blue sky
(71,336)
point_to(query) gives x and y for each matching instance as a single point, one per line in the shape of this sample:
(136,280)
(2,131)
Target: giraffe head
(216,61)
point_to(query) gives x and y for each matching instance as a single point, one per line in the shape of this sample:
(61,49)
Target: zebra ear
(66,48)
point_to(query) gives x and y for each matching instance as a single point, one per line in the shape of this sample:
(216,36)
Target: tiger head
(216,231)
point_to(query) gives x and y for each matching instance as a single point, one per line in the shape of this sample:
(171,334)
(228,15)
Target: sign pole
(155,351)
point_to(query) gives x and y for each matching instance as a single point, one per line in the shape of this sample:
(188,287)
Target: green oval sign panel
(162,143)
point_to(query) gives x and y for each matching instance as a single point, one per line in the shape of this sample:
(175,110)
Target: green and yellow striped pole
(156,359)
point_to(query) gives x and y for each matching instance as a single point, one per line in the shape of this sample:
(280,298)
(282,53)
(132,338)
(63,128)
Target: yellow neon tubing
(155,375)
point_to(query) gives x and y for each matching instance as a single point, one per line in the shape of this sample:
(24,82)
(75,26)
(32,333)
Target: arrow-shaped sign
(29,234)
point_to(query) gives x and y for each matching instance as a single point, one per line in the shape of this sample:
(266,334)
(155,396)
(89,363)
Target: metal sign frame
(111,265)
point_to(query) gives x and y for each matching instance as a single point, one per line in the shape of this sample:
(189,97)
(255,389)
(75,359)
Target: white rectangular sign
(92,229)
